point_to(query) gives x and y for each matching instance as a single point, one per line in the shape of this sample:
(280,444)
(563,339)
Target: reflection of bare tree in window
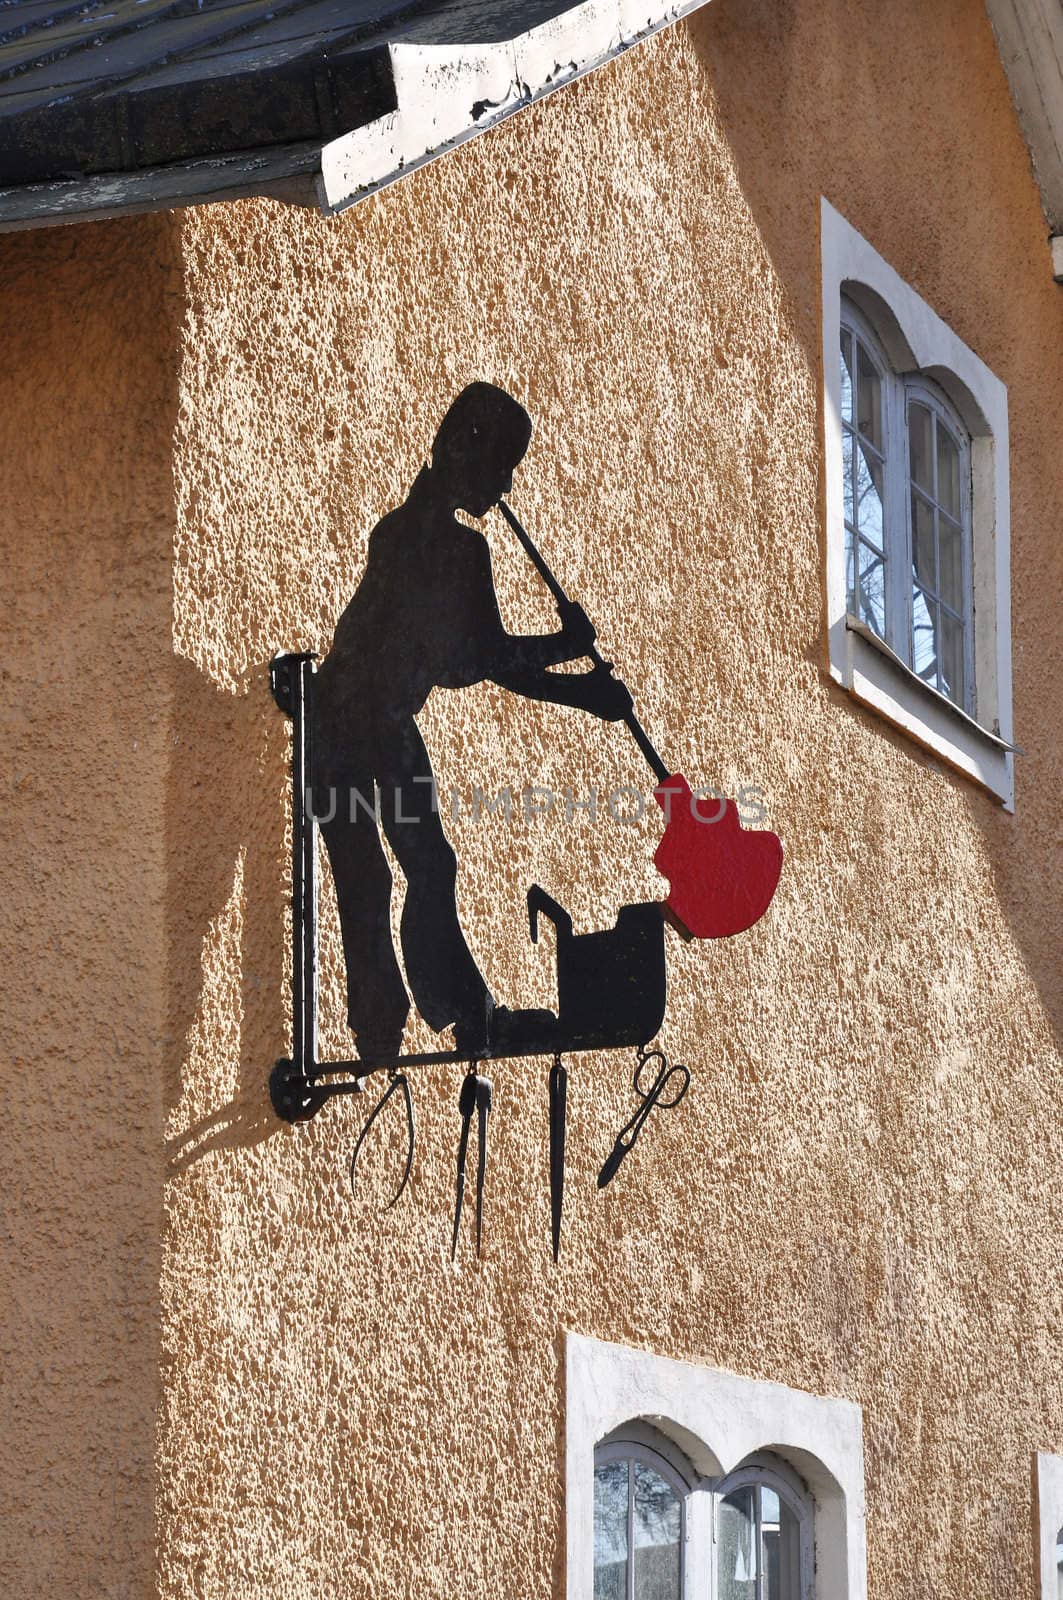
(638,1527)
(863,462)
(1059,1564)
(656,1528)
(610,1530)
(871,590)
(938,579)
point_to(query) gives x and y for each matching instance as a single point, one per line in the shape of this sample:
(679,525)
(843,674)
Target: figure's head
(480,441)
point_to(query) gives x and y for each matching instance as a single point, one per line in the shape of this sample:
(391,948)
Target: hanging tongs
(400,1082)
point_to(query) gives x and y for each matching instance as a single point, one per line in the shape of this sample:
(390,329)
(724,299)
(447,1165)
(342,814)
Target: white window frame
(918,344)
(1049,1521)
(719,1422)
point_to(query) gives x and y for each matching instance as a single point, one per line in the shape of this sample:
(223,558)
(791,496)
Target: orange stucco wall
(214,1345)
(88,398)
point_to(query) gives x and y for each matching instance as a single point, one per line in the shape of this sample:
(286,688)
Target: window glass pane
(920,435)
(948,471)
(736,1547)
(847,475)
(656,1536)
(1059,1562)
(924,636)
(950,555)
(610,1531)
(871,584)
(952,657)
(868,398)
(847,376)
(869,487)
(781,1538)
(923,543)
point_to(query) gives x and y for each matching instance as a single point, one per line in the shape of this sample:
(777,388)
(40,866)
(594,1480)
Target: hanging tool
(653,1096)
(476,1095)
(722,876)
(558,1105)
(399,1081)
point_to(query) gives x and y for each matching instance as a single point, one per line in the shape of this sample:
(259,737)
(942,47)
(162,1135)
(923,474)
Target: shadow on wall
(806,112)
(227,912)
(88,327)
(146,835)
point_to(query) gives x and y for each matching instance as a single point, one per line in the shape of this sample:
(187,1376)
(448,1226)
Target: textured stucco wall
(861,1194)
(88,395)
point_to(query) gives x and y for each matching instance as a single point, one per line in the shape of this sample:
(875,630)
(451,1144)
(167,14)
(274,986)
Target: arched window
(640,1517)
(906,466)
(702,1441)
(763,1534)
(663,1533)
(917,515)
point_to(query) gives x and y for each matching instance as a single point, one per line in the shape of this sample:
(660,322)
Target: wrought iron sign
(425,615)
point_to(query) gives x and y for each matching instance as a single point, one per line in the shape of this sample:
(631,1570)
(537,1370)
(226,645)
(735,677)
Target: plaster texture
(860,1197)
(88,393)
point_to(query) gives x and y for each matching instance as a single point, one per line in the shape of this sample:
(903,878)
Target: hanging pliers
(476,1095)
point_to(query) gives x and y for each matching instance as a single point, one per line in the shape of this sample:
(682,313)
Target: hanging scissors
(658,1094)
(399,1081)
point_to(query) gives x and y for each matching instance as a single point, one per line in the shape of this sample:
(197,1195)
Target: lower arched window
(763,1534)
(661,1532)
(639,1521)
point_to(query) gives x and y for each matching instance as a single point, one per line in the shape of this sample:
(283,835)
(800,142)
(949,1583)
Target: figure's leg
(377,1002)
(446,983)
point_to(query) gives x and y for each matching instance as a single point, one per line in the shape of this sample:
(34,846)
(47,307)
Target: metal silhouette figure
(425,616)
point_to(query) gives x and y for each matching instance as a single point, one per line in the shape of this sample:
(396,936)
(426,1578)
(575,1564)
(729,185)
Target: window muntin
(906,468)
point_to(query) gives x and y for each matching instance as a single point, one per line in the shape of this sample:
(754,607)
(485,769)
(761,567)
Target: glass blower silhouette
(424,615)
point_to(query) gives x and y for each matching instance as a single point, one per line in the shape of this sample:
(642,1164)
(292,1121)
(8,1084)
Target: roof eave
(287,172)
(446,94)
(1030,39)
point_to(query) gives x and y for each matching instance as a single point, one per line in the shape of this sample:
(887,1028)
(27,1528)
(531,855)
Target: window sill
(879,679)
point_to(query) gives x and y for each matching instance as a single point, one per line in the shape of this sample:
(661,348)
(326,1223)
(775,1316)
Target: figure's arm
(534,652)
(509,653)
(519,661)
(596,691)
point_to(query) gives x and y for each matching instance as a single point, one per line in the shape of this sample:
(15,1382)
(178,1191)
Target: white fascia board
(1057,256)
(1030,38)
(449,93)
